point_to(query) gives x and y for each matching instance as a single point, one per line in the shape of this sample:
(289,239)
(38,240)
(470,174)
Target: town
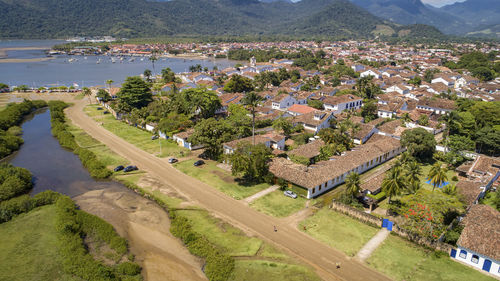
(355,140)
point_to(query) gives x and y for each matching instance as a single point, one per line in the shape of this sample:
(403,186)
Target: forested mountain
(458,18)
(141,18)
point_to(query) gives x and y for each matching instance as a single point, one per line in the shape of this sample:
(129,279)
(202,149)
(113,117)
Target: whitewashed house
(283,101)
(338,104)
(314,121)
(182,140)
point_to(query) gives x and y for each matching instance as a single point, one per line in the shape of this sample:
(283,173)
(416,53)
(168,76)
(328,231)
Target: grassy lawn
(221,179)
(28,248)
(278,205)
(339,231)
(222,234)
(257,270)
(403,260)
(489,199)
(136,136)
(103,153)
(425,172)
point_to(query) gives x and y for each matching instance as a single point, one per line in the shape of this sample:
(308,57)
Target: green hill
(140,18)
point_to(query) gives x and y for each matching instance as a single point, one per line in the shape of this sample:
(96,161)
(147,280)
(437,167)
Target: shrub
(13,181)
(128,268)
(25,203)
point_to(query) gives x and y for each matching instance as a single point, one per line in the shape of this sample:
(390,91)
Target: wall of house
(385,114)
(338,108)
(327,186)
(465,256)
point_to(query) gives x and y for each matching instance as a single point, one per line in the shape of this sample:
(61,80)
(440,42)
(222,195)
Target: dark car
(199,163)
(99,108)
(118,168)
(130,169)
(172,160)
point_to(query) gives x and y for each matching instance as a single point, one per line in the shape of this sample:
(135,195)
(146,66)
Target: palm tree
(437,175)
(393,183)
(153,58)
(147,74)
(352,183)
(109,82)
(88,93)
(413,171)
(251,101)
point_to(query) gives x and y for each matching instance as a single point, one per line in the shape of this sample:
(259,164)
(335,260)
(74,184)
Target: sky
(440,3)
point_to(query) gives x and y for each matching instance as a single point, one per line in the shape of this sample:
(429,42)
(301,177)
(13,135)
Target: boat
(98,61)
(113,60)
(131,60)
(71,60)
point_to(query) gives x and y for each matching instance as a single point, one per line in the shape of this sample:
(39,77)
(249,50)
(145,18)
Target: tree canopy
(420,143)
(135,93)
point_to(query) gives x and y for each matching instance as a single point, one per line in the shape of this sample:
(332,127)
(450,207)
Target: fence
(373,220)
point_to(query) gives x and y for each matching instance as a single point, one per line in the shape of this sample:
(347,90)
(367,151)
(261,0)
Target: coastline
(4,57)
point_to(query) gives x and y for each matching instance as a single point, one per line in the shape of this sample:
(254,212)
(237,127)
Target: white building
(479,243)
(283,101)
(338,104)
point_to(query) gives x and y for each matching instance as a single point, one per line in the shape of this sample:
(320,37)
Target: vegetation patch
(278,205)
(337,230)
(403,260)
(210,174)
(256,270)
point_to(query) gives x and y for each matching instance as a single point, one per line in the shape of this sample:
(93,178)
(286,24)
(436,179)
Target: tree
(238,84)
(251,100)
(103,95)
(284,125)
(135,93)
(423,120)
(486,113)
(437,175)
(201,101)
(488,141)
(212,134)
(109,82)
(353,184)
(88,93)
(327,135)
(420,143)
(413,171)
(315,104)
(393,183)
(174,123)
(251,162)
(167,75)
(147,74)
(3,86)
(483,73)
(369,111)
(239,119)
(153,58)
(458,143)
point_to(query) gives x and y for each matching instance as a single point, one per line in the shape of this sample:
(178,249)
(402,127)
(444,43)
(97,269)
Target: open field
(338,230)
(258,270)
(28,248)
(278,205)
(403,260)
(214,176)
(136,136)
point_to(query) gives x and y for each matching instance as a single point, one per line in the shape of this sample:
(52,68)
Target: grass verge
(278,205)
(403,260)
(214,176)
(338,230)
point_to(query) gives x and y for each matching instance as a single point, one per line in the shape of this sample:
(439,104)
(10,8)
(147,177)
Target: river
(84,71)
(142,222)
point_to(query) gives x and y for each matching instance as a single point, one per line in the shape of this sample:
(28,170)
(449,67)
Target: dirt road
(146,226)
(318,255)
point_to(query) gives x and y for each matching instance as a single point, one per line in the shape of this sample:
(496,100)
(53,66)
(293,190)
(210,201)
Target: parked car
(172,160)
(118,168)
(99,108)
(290,194)
(199,163)
(130,169)
(154,137)
(105,112)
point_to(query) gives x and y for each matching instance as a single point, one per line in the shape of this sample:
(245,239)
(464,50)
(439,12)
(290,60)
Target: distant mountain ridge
(458,18)
(141,18)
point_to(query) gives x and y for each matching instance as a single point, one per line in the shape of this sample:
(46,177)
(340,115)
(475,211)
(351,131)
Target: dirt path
(306,248)
(146,226)
(372,245)
(261,194)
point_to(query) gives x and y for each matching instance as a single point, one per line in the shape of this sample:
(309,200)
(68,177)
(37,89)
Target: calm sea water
(84,71)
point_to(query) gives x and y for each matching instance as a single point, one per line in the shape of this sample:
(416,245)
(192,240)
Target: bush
(103,231)
(219,266)
(25,203)
(13,181)
(379,196)
(66,139)
(128,268)
(14,113)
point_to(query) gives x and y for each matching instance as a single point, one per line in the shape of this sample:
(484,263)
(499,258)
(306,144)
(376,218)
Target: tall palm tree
(109,83)
(413,171)
(437,175)
(88,93)
(153,58)
(393,183)
(251,101)
(353,183)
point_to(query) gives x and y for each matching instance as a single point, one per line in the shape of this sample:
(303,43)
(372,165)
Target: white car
(290,194)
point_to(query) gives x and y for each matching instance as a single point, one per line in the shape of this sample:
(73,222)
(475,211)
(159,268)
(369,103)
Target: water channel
(142,222)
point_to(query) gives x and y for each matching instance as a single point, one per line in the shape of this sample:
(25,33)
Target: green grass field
(425,172)
(403,260)
(258,270)
(136,136)
(28,247)
(278,205)
(221,179)
(338,230)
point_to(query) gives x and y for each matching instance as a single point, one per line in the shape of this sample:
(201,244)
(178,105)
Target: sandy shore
(146,226)
(4,57)
(187,56)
